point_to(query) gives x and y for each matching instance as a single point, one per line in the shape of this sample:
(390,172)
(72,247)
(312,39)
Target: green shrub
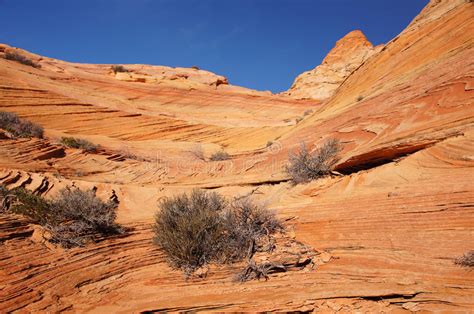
(220,155)
(14,56)
(19,127)
(33,206)
(79,143)
(304,166)
(118,68)
(203,227)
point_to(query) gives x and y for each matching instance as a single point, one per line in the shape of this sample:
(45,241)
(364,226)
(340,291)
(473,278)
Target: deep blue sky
(261,44)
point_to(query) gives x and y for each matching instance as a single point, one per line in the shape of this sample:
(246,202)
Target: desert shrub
(467,260)
(220,155)
(360,97)
(189,229)
(28,129)
(305,166)
(203,227)
(79,143)
(246,223)
(15,56)
(7,119)
(19,127)
(195,67)
(298,119)
(80,216)
(269,143)
(72,218)
(118,68)
(308,112)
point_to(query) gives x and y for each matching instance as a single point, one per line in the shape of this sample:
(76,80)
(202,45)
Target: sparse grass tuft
(220,155)
(305,166)
(19,127)
(15,56)
(79,143)
(198,152)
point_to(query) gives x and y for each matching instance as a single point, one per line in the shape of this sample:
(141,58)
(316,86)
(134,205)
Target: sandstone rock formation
(347,55)
(384,234)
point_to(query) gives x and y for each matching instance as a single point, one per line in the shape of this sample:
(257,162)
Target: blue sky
(261,44)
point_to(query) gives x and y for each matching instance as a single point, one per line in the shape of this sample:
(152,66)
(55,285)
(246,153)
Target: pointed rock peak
(347,46)
(355,35)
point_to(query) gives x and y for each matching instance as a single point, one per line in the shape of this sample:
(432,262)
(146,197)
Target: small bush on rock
(218,156)
(118,68)
(304,166)
(467,260)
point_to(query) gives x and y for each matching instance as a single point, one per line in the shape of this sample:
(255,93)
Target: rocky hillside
(379,235)
(321,82)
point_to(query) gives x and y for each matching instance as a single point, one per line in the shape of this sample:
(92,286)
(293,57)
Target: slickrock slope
(347,55)
(384,234)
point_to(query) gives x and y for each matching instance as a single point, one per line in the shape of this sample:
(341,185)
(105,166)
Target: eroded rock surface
(383,236)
